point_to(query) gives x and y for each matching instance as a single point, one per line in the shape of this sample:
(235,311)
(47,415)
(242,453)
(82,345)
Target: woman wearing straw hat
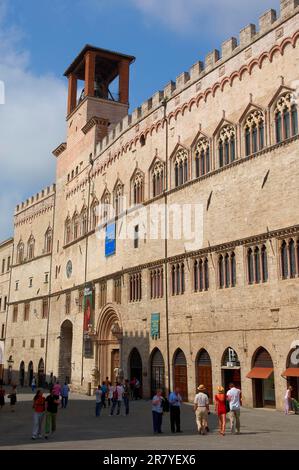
(220,408)
(201,408)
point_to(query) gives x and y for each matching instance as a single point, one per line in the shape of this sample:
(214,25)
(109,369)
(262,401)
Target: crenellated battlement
(38,197)
(231,47)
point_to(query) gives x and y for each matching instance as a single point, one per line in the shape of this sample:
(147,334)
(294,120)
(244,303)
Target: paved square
(78,428)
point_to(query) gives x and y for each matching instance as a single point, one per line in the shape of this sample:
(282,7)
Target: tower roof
(103,53)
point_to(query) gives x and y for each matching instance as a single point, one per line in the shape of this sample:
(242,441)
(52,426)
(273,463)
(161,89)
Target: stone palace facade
(87,291)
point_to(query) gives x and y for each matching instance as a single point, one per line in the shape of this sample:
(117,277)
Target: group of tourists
(48,407)
(229,402)
(115,395)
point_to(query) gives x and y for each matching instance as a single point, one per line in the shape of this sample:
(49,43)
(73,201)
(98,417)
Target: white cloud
(31,124)
(217,17)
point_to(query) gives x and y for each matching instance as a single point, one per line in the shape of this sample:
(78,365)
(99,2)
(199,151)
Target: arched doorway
(292,372)
(204,372)
(22,374)
(180,373)
(135,368)
(65,352)
(30,373)
(262,375)
(231,370)
(157,371)
(41,373)
(108,341)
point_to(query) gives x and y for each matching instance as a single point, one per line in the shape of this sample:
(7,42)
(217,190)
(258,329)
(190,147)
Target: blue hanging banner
(110,242)
(155,325)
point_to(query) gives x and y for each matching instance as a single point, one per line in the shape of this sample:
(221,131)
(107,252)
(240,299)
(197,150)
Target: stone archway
(108,346)
(65,352)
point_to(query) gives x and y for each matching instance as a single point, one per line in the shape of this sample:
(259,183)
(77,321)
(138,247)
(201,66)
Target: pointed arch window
(30,247)
(180,164)
(201,275)
(48,240)
(138,187)
(227,145)
(286,117)
(289,258)
(84,221)
(178,279)
(254,132)
(157,178)
(76,226)
(257,264)
(202,157)
(67,231)
(118,194)
(105,207)
(94,214)
(20,252)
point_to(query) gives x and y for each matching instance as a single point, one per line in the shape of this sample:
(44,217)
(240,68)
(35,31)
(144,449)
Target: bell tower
(96,69)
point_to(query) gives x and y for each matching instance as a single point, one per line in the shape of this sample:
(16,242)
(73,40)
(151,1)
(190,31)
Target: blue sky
(40,38)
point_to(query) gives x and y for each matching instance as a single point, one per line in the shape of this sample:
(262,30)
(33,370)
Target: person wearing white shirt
(234,396)
(201,408)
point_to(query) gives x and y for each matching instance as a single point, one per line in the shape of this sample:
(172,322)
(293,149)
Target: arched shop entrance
(41,373)
(157,371)
(231,370)
(292,372)
(262,375)
(65,352)
(180,373)
(204,372)
(22,374)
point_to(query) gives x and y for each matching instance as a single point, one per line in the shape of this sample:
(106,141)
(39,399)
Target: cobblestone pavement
(78,428)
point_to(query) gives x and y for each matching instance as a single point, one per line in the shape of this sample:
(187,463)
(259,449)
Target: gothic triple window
(180,164)
(68,231)
(105,206)
(289,254)
(20,252)
(201,275)
(76,226)
(202,157)
(84,221)
(286,118)
(254,132)
(227,145)
(227,270)
(178,279)
(94,214)
(48,240)
(257,264)
(156,280)
(158,178)
(31,244)
(138,187)
(118,194)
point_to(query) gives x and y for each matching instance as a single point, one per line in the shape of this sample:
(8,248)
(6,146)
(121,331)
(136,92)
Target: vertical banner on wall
(88,307)
(110,244)
(155,325)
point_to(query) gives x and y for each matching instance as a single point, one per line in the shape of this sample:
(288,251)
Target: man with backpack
(117,396)
(175,402)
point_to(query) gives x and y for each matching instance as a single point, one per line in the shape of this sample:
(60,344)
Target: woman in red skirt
(220,407)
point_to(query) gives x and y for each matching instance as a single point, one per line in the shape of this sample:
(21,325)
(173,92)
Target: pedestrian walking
(39,407)
(126,396)
(33,384)
(110,393)
(52,402)
(99,402)
(65,395)
(201,408)
(288,401)
(13,398)
(234,396)
(157,412)
(2,395)
(137,387)
(104,394)
(57,388)
(117,398)
(220,408)
(175,402)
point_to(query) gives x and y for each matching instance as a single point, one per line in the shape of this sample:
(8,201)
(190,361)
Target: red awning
(260,373)
(291,372)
